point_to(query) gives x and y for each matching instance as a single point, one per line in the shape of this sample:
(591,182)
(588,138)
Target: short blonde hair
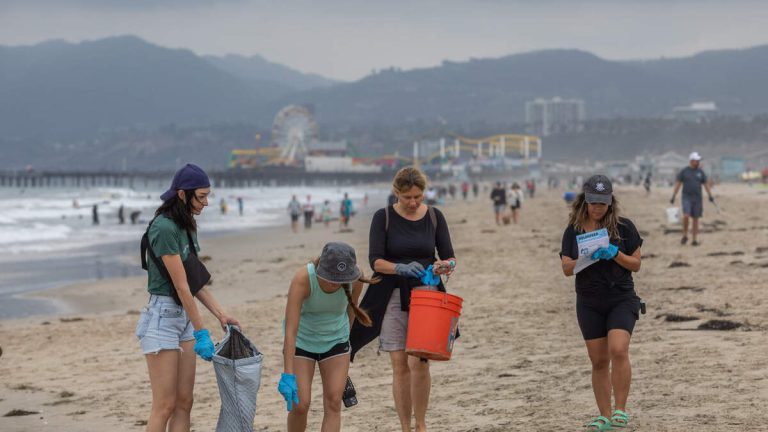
(407,178)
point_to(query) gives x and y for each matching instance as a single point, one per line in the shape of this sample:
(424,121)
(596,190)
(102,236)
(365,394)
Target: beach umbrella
(237,363)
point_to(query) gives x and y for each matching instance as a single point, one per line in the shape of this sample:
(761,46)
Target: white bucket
(673,215)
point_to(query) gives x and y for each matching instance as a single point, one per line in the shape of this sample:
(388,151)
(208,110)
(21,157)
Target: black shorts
(294,218)
(337,350)
(597,315)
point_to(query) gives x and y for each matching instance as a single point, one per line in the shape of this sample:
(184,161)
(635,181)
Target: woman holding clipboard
(606,303)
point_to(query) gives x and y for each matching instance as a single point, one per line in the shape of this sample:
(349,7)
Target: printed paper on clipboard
(588,243)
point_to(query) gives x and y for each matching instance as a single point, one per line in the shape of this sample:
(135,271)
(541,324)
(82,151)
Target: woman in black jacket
(402,244)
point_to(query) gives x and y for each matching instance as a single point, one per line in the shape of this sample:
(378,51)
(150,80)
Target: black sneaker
(684,240)
(695,243)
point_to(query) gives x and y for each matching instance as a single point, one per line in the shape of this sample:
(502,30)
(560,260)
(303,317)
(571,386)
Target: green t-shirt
(166,238)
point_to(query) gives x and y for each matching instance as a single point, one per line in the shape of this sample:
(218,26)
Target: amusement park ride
(294,134)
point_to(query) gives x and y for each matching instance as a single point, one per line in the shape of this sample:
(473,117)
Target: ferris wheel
(293,130)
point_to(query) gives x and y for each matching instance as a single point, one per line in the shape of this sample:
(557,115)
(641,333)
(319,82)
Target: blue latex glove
(413,269)
(430,278)
(606,253)
(287,387)
(204,345)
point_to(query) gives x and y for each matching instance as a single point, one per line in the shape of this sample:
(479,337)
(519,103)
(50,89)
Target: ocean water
(46,220)
(48,239)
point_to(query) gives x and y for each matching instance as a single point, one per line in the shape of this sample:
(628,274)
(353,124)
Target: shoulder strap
(386,218)
(432,216)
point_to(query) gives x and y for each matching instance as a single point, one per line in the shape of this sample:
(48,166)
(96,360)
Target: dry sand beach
(520,364)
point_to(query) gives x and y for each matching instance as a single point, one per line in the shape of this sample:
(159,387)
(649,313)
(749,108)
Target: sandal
(619,419)
(600,424)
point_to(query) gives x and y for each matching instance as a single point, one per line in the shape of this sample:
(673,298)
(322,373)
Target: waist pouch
(197,275)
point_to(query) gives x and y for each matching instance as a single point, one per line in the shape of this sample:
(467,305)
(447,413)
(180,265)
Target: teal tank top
(323,322)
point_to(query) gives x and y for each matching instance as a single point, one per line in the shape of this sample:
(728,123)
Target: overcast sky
(347,39)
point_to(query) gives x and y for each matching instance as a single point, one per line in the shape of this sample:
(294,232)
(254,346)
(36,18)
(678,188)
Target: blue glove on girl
(430,278)
(287,387)
(204,345)
(606,253)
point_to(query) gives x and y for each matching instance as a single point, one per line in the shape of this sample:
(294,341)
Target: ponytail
(360,314)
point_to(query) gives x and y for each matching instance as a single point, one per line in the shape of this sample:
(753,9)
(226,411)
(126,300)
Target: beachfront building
(557,115)
(696,112)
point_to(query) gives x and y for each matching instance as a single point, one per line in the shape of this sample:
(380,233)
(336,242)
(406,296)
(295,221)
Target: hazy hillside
(259,69)
(496,90)
(57,88)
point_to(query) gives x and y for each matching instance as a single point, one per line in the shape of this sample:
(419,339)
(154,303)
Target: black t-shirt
(499,196)
(605,277)
(407,240)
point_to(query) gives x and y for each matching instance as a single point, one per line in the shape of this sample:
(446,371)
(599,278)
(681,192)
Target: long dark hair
(179,211)
(610,221)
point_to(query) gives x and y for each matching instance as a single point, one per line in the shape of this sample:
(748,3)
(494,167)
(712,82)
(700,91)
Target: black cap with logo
(598,189)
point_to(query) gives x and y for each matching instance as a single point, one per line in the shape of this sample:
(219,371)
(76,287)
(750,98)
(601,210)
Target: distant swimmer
(95,214)
(607,306)
(691,178)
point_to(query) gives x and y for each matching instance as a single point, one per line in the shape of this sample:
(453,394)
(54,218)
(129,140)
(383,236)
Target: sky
(348,39)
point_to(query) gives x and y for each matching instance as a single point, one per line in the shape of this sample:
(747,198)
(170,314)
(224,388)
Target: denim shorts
(163,325)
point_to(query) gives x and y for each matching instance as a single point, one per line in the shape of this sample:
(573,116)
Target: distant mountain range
(58,89)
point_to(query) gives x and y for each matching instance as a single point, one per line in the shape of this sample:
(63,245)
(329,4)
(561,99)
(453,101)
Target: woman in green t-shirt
(170,333)
(322,304)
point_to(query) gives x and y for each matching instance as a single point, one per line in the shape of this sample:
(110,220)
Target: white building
(547,116)
(696,111)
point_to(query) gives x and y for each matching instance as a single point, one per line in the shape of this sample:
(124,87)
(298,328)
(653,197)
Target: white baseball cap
(695,156)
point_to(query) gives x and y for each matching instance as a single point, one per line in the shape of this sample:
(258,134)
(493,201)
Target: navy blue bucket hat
(187,177)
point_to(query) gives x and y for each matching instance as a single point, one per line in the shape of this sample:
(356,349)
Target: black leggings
(599,314)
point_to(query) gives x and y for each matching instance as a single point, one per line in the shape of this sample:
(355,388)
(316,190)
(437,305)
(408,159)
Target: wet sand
(519,365)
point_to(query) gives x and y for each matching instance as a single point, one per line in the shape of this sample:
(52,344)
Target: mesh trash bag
(237,363)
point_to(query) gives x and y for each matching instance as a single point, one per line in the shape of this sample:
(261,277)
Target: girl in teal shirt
(322,304)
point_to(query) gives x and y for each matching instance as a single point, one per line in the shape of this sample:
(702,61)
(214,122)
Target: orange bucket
(432,323)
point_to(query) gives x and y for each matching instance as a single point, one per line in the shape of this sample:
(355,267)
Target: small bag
(197,275)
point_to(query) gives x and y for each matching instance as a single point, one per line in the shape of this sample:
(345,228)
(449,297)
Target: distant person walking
(475,189)
(499,198)
(464,190)
(223,206)
(431,196)
(402,243)
(345,211)
(121,214)
(647,183)
(309,212)
(294,209)
(171,330)
(515,200)
(321,307)
(531,185)
(691,178)
(327,213)
(606,303)
(95,214)
(240,205)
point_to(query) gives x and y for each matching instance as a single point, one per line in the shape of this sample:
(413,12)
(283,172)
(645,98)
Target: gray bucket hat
(598,189)
(338,263)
